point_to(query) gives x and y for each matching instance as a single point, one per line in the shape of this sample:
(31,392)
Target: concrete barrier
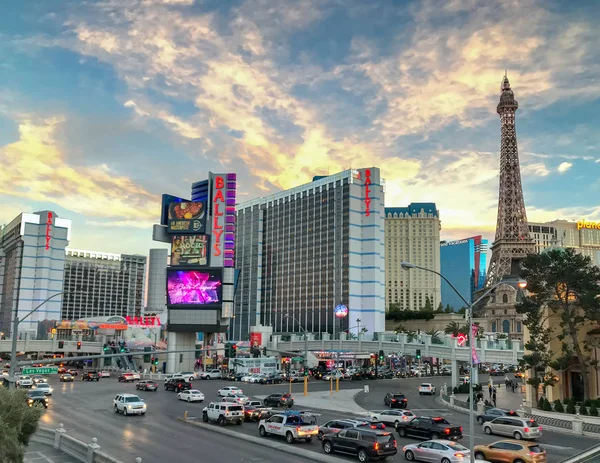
(85,453)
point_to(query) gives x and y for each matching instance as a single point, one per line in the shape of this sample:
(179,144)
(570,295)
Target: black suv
(91,375)
(364,443)
(177,385)
(426,427)
(395,400)
(37,398)
(279,400)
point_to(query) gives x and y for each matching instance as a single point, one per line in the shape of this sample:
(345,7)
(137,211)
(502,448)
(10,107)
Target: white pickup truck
(290,424)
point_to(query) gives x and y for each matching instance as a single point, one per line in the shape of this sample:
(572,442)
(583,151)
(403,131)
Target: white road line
(555,447)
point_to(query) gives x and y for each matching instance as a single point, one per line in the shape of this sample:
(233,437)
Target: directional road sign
(40,371)
(297,359)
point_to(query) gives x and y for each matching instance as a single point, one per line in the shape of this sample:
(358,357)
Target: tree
(440,308)
(480,331)
(455,329)
(567,284)
(428,305)
(18,422)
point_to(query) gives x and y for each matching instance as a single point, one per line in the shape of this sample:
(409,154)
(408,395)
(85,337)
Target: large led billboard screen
(189,250)
(194,287)
(187,218)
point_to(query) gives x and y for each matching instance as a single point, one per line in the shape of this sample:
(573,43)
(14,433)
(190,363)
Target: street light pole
(469,316)
(305,352)
(13,349)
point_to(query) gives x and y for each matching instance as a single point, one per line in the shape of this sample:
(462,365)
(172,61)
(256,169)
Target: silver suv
(514,426)
(129,404)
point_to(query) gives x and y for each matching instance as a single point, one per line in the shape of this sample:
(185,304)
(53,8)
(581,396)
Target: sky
(106,105)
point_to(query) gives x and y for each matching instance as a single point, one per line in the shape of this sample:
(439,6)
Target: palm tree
(435,334)
(452,328)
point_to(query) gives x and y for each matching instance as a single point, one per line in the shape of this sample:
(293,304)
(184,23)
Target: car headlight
(128,406)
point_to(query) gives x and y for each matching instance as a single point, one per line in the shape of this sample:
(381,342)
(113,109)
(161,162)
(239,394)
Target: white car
(191,395)
(391,417)
(25,381)
(174,376)
(211,374)
(134,375)
(43,387)
(247,377)
(104,374)
(129,404)
(427,388)
(239,398)
(225,391)
(256,378)
(188,375)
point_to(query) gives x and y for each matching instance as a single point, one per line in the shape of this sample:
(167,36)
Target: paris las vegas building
(302,252)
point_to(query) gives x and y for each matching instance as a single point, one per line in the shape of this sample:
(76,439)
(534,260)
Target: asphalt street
(85,408)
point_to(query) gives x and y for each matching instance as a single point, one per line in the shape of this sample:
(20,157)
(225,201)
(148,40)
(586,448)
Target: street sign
(40,371)
(297,359)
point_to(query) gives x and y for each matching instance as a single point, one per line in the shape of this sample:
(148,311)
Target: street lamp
(469,316)
(305,352)
(15,332)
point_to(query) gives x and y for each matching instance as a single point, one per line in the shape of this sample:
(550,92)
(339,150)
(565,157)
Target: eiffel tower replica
(512,242)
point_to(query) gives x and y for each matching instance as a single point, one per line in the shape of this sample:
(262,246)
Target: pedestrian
(494,399)
(490,390)
(514,386)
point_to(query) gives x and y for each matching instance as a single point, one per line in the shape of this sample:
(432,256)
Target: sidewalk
(342,401)
(43,453)
(505,398)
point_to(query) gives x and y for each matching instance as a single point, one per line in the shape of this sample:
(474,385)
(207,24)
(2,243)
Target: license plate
(388,446)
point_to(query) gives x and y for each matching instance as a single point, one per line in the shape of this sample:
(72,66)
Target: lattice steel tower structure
(512,241)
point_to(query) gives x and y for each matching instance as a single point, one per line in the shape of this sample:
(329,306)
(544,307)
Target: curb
(285,448)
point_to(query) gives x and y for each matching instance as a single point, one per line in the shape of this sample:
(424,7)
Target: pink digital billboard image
(193,287)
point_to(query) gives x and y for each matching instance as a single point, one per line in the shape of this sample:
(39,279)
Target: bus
(266,365)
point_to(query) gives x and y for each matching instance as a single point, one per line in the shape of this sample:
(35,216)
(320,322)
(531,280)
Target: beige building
(412,234)
(583,236)
(500,316)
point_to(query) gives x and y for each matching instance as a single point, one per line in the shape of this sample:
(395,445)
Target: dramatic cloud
(34,169)
(275,92)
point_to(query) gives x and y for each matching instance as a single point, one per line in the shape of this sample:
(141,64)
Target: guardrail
(572,424)
(85,453)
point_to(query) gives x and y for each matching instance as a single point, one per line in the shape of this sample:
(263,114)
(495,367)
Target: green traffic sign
(297,359)
(40,371)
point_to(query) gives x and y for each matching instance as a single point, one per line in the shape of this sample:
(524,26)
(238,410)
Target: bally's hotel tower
(304,251)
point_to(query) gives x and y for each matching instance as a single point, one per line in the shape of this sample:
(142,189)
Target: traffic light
(156,361)
(234,350)
(381,355)
(418,354)
(122,348)
(152,361)
(78,345)
(264,351)
(305,371)
(105,347)
(61,344)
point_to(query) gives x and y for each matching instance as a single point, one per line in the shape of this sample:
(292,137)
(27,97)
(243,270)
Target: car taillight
(526,429)
(395,444)
(376,446)
(459,455)
(540,428)
(404,400)
(447,430)
(393,400)
(298,429)
(461,429)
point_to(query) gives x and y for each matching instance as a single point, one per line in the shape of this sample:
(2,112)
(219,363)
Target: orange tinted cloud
(34,168)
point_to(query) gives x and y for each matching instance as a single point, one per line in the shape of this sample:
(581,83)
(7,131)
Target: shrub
(593,410)
(566,401)
(587,403)
(455,390)
(583,410)
(558,406)
(547,407)
(571,407)
(541,403)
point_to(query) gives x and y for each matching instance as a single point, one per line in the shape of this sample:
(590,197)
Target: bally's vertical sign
(222,199)
(367,192)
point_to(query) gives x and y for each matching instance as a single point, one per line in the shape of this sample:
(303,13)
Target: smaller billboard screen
(189,250)
(187,218)
(194,287)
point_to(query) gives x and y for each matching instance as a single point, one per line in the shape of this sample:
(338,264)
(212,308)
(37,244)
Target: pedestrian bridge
(51,345)
(443,347)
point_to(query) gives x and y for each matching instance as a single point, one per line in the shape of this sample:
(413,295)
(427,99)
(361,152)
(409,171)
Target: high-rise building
(99,284)
(304,251)
(412,234)
(156,300)
(512,242)
(463,262)
(582,236)
(32,260)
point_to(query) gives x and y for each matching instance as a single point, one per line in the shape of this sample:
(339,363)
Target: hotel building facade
(412,234)
(32,261)
(100,284)
(582,236)
(304,251)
